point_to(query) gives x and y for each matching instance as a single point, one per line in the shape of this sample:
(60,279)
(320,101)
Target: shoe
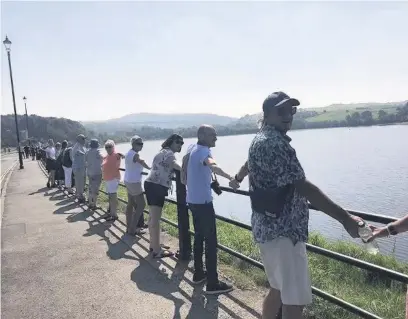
(219,288)
(48,185)
(199,277)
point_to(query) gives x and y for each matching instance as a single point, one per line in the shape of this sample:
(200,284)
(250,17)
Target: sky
(100,60)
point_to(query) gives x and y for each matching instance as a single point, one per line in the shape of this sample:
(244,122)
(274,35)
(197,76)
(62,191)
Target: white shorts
(112,186)
(287,270)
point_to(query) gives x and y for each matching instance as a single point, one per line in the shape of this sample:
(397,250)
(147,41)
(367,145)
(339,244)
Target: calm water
(360,168)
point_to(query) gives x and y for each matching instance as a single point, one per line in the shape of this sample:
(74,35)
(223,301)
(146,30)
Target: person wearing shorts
(111,176)
(157,186)
(136,204)
(280,227)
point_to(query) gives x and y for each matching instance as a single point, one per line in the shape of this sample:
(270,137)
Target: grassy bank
(359,287)
(378,295)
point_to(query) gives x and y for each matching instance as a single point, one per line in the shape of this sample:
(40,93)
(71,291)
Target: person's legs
(292,312)
(129,214)
(68,178)
(271,304)
(91,190)
(140,205)
(141,222)
(52,177)
(98,182)
(198,247)
(80,183)
(287,270)
(210,239)
(113,204)
(154,228)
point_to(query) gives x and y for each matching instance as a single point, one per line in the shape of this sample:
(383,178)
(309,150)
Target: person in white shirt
(157,186)
(134,165)
(50,163)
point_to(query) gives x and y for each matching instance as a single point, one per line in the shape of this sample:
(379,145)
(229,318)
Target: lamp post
(7,45)
(26,116)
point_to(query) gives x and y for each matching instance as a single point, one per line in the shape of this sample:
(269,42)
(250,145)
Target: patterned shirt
(162,168)
(272,163)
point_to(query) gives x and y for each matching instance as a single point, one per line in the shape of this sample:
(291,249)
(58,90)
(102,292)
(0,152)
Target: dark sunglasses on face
(108,147)
(139,143)
(287,110)
(179,142)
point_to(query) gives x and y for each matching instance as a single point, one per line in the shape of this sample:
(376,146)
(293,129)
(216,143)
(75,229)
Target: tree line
(42,128)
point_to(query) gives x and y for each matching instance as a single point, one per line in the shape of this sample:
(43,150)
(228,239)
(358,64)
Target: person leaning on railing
(392,229)
(279,192)
(79,167)
(50,164)
(111,176)
(200,168)
(94,160)
(136,204)
(157,185)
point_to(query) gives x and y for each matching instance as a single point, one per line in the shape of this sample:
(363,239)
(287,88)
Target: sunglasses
(108,147)
(179,142)
(139,143)
(282,111)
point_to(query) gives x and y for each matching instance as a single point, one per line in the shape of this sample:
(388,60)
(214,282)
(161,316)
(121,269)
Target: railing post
(183,220)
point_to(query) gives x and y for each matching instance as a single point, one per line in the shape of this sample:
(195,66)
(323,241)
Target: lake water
(364,168)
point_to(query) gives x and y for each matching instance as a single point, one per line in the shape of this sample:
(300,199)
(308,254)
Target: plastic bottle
(365,232)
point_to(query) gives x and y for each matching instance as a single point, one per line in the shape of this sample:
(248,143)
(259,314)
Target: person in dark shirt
(279,198)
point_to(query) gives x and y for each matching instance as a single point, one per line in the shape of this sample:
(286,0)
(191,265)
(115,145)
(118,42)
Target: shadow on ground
(144,276)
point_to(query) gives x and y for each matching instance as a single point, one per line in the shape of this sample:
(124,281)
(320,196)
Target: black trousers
(205,232)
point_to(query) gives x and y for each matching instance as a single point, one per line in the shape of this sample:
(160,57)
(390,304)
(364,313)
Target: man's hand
(351,225)
(234,184)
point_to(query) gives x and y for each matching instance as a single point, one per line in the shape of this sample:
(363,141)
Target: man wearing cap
(279,195)
(79,166)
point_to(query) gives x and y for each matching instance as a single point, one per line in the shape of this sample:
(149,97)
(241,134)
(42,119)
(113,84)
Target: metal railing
(184,235)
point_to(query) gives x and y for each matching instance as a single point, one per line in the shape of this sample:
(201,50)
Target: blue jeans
(205,232)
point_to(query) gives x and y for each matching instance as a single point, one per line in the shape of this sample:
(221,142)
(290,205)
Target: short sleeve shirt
(272,163)
(199,176)
(162,168)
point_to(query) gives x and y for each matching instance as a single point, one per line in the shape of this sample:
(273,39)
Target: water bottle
(365,232)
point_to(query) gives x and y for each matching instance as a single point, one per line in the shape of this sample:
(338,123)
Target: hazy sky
(98,60)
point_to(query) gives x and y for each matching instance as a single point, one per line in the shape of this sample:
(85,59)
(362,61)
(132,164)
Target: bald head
(207,135)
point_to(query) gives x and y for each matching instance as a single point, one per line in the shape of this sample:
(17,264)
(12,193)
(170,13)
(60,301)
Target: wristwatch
(236,178)
(391,230)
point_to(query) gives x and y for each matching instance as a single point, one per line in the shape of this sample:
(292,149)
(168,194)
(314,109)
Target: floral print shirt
(162,168)
(272,163)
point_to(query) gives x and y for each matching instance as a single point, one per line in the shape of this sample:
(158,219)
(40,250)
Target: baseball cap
(278,99)
(81,136)
(94,143)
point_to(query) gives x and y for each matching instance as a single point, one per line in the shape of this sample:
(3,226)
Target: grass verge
(380,296)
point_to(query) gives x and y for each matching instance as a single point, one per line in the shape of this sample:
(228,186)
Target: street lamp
(7,45)
(26,116)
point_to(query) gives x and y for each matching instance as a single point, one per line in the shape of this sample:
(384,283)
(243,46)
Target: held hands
(351,225)
(234,184)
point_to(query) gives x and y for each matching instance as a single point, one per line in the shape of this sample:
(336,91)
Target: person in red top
(111,176)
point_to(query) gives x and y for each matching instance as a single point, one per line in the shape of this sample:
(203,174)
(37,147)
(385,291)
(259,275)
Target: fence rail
(183,225)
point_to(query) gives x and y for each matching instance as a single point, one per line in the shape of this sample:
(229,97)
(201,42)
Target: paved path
(60,261)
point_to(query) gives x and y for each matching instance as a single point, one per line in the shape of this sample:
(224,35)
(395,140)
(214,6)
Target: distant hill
(40,129)
(334,112)
(162,120)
